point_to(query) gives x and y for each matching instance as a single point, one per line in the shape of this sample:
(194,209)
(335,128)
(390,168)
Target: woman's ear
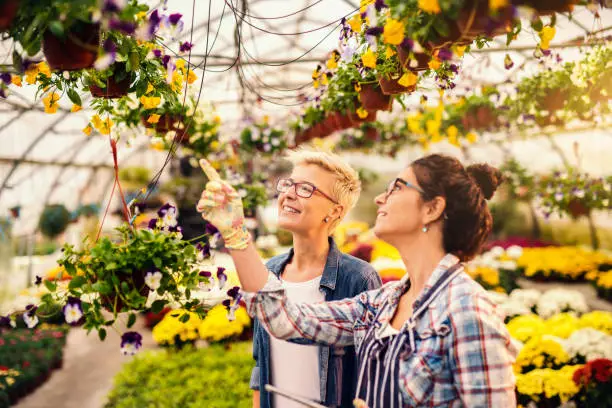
(435,209)
(336,211)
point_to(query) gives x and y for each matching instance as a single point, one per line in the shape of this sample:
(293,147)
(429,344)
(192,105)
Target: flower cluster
(263,138)
(567,263)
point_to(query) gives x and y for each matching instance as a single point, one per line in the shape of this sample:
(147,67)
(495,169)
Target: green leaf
(57,28)
(51,286)
(158,305)
(158,262)
(102,333)
(125,287)
(70,269)
(184,318)
(102,287)
(188,294)
(77,282)
(74,96)
(109,322)
(131,320)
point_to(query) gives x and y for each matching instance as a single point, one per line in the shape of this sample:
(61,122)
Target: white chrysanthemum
(560,300)
(590,343)
(528,297)
(514,252)
(497,297)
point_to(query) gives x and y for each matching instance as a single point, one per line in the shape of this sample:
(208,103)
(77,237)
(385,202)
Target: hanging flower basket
(554,100)
(356,120)
(343,120)
(546,7)
(422,59)
(391,86)
(482,117)
(577,208)
(8,10)
(332,124)
(128,282)
(166,123)
(477,19)
(79,50)
(325,128)
(113,89)
(372,99)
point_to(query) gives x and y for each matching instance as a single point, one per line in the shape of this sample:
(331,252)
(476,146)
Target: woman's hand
(221,205)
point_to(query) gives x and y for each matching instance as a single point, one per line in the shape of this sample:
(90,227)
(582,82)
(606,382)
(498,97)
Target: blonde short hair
(346,189)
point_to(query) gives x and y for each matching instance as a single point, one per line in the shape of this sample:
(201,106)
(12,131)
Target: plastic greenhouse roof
(46,158)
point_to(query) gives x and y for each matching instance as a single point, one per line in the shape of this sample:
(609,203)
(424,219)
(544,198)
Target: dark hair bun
(488,178)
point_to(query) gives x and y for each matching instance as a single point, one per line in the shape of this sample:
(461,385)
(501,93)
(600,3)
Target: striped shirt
(462,354)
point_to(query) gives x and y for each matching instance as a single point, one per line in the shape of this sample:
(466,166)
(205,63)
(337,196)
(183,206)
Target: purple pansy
(164,209)
(203,250)
(186,46)
(444,54)
(5,77)
(407,44)
(153,223)
(221,276)
(5,322)
(38,280)
(123,26)
(157,53)
(375,31)
(131,342)
(380,4)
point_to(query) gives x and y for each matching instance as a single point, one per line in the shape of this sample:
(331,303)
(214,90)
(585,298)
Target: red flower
(582,376)
(3,368)
(602,368)
(25,364)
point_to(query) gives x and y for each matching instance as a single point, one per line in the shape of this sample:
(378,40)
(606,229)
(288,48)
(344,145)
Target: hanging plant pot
(356,120)
(343,120)
(134,281)
(372,99)
(546,7)
(371,133)
(554,100)
(477,19)
(577,208)
(326,128)
(113,89)
(8,11)
(483,117)
(78,50)
(332,124)
(422,59)
(166,123)
(303,136)
(391,86)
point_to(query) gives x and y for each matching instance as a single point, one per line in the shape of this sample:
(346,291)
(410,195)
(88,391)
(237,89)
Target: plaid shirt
(463,355)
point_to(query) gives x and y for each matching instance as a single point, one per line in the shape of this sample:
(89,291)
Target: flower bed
(27,358)
(603,283)
(216,376)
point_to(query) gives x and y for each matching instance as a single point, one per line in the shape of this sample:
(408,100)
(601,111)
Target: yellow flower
(408,79)
(546,36)
(216,326)
(369,59)
(159,146)
(434,63)
(316,73)
(332,62)
(87,130)
(472,137)
(598,320)
(141,15)
(561,325)
(177,81)
(459,50)
(150,102)
(180,65)
(393,32)
(497,4)
(424,143)
(429,6)
(31,74)
(191,77)
(170,327)
(75,108)
(215,145)
(217,119)
(433,127)
(153,118)
(50,102)
(44,69)
(362,113)
(16,80)
(149,88)
(103,126)
(355,23)
(357,87)
(315,83)
(324,80)
(452,131)
(389,52)
(523,328)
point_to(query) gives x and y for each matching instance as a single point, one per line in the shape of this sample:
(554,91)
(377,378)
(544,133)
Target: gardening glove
(221,205)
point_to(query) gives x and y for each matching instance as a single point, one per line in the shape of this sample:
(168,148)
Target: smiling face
(402,212)
(304,215)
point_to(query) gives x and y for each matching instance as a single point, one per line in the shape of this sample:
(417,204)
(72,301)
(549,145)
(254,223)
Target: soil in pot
(78,50)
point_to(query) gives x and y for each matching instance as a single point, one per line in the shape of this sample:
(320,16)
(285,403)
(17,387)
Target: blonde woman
(312,201)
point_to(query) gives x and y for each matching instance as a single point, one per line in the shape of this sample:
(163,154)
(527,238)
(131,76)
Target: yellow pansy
(324,80)
(315,84)
(141,15)
(408,79)
(150,88)
(546,36)
(452,131)
(454,141)
(332,62)
(87,130)
(217,119)
(459,50)
(153,118)
(177,81)
(159,146)
(393,32)
(180,65)
(430,6)
(150,102)
(31,74)
(357,87)
(44,69)
(434,63)
(471,137)
(215,145)
(433,127)
(497,4)
(363,5)
(369,59)
(103,126)
(362,113)
(50,102)
(355,23)
(191,77)
(16,80)
(75,108)
(389,52)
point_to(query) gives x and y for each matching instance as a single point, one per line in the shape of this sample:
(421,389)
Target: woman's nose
(380,199)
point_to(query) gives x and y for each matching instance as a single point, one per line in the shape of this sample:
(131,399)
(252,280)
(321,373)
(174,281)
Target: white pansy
(169,218)
(72,313)
(153,280)
(30,321)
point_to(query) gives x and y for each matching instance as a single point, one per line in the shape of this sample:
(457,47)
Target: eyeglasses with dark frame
(397,181)
(303,189)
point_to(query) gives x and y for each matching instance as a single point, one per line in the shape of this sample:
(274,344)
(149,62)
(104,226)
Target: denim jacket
(344,276)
